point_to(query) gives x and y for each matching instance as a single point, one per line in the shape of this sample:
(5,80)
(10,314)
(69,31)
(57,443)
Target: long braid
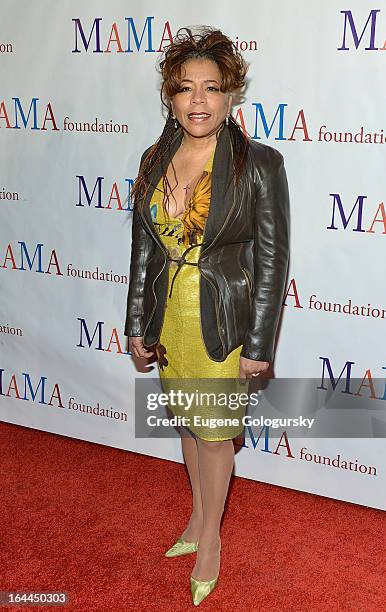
(240,146)
(154,157)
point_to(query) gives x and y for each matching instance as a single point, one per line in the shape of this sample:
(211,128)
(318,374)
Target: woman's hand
(137,349)
(251,367)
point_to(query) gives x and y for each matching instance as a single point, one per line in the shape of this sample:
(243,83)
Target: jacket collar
(222,194)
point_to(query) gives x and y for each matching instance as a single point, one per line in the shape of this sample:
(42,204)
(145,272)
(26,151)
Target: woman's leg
(215,462)
(189,448)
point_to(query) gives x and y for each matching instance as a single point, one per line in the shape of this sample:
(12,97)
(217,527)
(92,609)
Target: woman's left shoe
(181,547)
(201,589)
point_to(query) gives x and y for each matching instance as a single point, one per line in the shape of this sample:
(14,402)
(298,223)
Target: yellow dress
(181,351)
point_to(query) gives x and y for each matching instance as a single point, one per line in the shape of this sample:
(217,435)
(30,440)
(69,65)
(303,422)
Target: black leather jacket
(243,261)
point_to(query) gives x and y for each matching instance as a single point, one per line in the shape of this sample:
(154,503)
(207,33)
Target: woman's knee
(213,445)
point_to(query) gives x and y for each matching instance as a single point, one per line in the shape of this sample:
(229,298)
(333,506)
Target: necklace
(187,187)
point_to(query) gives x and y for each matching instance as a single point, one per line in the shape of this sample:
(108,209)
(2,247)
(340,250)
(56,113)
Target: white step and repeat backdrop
(79,104)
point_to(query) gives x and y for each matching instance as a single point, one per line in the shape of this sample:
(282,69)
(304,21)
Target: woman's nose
(198,95)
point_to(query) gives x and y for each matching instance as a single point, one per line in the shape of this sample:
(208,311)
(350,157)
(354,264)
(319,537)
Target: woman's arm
(271,256)
(142,247)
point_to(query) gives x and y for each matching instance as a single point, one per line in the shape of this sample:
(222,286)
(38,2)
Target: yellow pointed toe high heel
(201,589)
(181,547)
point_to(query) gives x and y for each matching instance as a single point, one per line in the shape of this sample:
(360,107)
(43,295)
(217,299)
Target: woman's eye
(210,88)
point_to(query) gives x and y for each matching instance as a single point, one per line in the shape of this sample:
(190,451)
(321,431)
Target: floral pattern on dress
(191,225)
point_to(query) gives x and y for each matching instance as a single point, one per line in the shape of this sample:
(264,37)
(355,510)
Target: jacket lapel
(221,192)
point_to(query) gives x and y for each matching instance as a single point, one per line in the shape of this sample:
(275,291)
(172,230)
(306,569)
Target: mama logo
(116,36)
(17,119)
(112,200)
(367,33)
(12,386)
(357,222)
(97,341)
(274,123)
(367,381)
(127,39)
(264,435)
(20,259)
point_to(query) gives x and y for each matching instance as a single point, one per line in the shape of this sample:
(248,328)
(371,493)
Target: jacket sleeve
(142,247)
(271,257)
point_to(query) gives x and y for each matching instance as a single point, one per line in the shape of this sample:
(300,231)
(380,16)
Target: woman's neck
(196,145)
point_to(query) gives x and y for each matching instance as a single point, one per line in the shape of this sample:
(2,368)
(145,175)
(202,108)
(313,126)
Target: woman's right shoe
(181,547)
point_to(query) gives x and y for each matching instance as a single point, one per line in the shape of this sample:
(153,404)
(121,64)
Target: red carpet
(94,521)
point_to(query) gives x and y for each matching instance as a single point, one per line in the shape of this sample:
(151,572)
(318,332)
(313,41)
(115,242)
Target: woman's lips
(198,117)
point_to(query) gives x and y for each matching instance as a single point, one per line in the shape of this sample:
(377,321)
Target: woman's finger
(139,350)
(135,352)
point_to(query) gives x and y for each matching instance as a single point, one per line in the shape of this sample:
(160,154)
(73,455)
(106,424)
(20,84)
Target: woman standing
(210,248)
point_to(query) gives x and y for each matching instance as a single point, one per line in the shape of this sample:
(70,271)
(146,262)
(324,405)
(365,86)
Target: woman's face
(201,107)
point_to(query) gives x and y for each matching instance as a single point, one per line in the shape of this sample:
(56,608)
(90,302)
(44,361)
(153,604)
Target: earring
(175,122)
(227,120)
